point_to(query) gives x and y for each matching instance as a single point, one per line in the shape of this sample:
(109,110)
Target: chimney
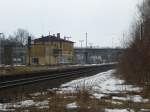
(58,35)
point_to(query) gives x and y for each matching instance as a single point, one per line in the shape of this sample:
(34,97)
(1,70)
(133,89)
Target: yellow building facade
(50,50)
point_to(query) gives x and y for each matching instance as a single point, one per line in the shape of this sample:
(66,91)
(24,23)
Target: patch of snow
(27,103)
(6,108)
(30,103)
(105,82)
(116,102)
(134,98)
(42,103)
(43,107)
(98,96)
(120,98)
(72,106)
(118,110)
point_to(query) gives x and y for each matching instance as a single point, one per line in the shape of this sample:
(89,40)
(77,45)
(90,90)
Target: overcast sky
(104,20)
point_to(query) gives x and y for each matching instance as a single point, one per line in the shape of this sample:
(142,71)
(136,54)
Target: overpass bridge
(96,55)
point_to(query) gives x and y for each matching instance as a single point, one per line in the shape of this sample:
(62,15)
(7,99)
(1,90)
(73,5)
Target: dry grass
(14,70)
(86,103)
(84,100)
(57,103)
(10,70)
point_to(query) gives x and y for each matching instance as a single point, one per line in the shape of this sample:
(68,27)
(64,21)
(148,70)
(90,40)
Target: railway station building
(50,50)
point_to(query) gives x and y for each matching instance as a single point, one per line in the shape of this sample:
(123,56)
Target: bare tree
(21,36)
(135,63)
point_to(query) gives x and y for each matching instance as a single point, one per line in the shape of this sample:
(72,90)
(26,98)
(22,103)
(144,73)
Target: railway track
(39,78)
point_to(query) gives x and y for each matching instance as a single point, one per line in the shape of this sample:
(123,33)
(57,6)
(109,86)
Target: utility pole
(123,39)
(81,41)
(1,34)
(29,50)
(49,45)
(112,42)
(86,52)
(0,50)
(86,39)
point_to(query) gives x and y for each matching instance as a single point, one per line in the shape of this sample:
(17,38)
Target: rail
(67,74)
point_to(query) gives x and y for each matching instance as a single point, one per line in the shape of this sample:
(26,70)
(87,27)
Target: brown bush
(57,103)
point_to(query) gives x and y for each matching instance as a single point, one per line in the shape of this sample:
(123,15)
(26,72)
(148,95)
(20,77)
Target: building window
(35,60)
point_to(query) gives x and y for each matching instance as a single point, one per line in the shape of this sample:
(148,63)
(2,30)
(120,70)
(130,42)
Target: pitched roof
(51,38)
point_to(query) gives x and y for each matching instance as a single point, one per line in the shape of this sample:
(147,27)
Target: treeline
(134,64)
(18,38)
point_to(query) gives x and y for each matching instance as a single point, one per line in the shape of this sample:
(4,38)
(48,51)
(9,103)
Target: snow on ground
(27,103)
(102,83)
(94,64)
(30,103)
(134,98)
(5,108)
(72,105)
(8,107)
(118,110)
